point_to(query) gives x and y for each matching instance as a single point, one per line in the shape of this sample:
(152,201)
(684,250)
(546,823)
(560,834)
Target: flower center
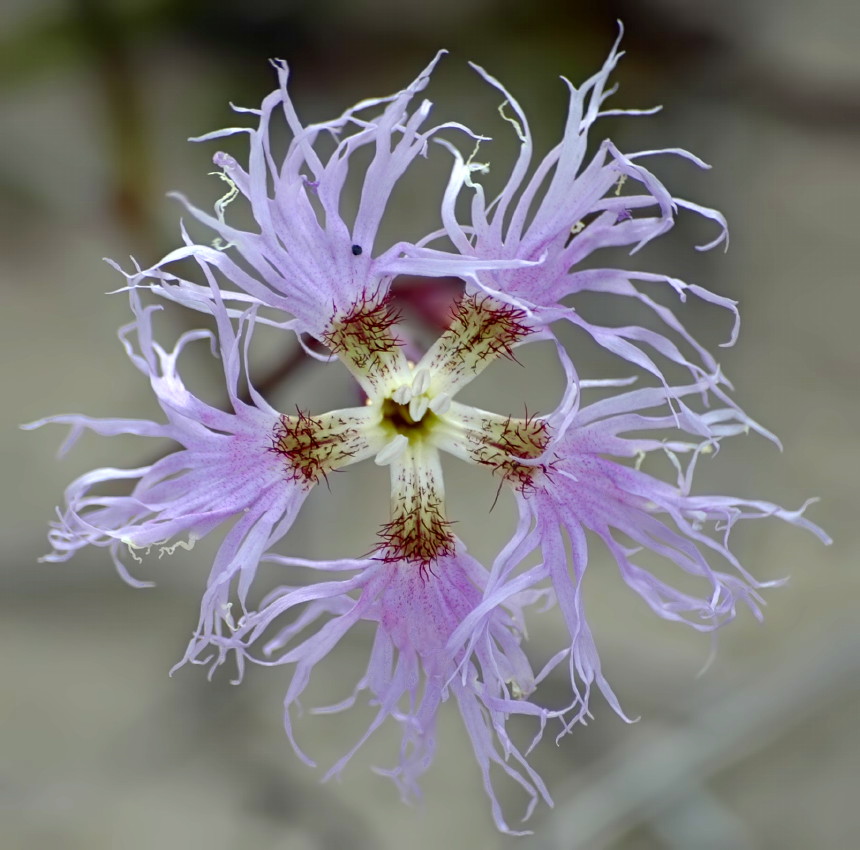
(411,415)
(398,417)
(411,411)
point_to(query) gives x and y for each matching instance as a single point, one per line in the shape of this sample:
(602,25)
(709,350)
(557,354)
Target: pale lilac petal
(564,212)
(305,259)
(412,659)
(223,467)
(586,489)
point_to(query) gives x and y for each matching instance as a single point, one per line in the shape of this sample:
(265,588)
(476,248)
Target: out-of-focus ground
(100,749)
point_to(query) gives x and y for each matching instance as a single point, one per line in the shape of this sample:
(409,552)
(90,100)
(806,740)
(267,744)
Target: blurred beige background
(100,749)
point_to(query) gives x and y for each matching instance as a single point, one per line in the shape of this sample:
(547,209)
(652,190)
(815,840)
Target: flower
(445,626)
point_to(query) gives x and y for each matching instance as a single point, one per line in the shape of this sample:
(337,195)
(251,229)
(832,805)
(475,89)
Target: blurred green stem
(131,165)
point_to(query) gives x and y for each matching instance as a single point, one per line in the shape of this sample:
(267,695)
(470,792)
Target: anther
(402,395)
(418,407)
(421,382)
(391,450)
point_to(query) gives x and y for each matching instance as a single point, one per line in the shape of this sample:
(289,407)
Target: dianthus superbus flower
(445,626)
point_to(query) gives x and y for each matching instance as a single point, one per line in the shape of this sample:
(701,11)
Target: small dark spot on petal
(356,249)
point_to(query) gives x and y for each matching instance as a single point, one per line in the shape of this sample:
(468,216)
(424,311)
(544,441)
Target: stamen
(392,450)
(418,407)
(421,382)
(440,404)
(402,395)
